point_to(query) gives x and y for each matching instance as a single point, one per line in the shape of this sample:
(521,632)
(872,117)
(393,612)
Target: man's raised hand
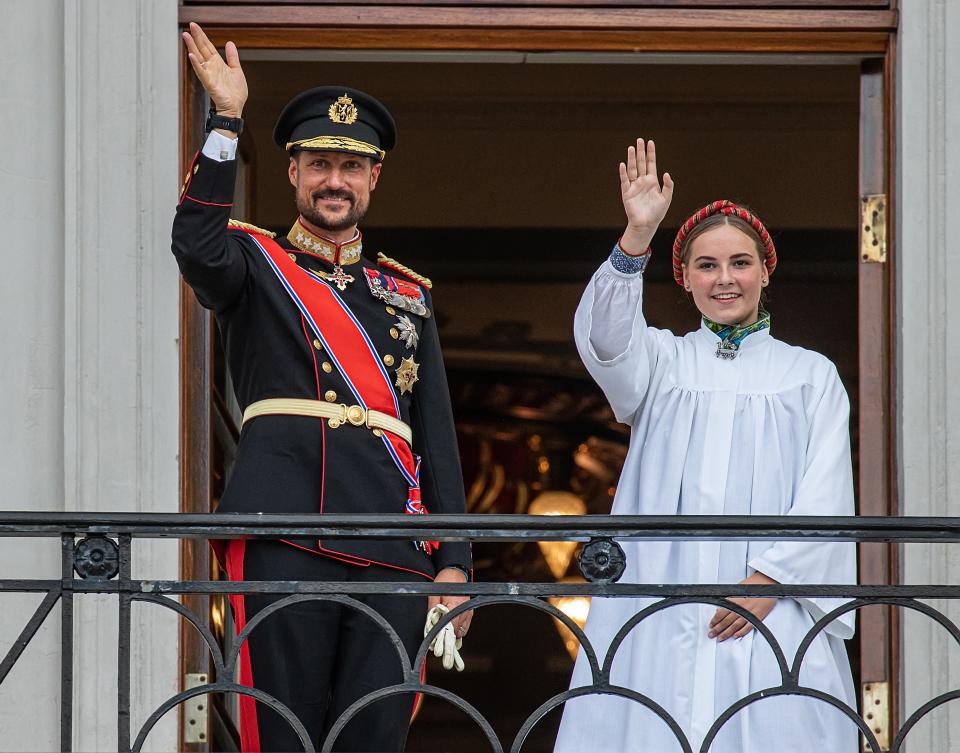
(644,202)
(223,80)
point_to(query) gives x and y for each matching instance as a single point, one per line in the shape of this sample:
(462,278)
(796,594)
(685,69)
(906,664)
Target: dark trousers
(318,657)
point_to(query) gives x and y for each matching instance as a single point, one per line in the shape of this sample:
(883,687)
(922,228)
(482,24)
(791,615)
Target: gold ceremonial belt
(338,414)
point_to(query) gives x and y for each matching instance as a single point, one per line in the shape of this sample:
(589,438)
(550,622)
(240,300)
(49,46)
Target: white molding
(928,161)
(121,392)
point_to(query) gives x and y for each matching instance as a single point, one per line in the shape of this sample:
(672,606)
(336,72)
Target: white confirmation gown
(765,433)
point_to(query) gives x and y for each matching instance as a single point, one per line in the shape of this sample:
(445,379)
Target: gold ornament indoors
(558,554)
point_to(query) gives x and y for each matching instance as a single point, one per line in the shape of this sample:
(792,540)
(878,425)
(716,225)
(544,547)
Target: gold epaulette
(237,225)
(404,270)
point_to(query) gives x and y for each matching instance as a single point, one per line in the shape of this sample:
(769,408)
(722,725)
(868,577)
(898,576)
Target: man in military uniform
(337,366)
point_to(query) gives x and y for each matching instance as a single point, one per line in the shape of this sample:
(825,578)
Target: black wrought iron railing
(97,555)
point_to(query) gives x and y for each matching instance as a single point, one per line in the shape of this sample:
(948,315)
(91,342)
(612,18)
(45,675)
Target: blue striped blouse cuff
(627,264)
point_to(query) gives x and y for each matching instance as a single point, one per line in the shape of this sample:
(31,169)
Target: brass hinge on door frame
(876,713)
(195,710)
(873,228)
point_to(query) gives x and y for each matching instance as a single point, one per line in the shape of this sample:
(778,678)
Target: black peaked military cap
(336,119)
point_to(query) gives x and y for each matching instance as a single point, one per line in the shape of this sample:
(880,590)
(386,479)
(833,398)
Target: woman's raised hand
(644,201)
(223,80)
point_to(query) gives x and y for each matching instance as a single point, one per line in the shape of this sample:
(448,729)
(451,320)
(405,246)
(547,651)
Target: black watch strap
(463,570)
(227,124)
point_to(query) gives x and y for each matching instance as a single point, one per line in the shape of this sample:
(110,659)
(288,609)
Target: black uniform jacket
(300,464)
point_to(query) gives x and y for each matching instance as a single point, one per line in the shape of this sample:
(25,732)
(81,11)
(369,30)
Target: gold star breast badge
(407,374)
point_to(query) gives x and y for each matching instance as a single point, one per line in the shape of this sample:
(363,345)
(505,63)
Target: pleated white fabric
(765,433)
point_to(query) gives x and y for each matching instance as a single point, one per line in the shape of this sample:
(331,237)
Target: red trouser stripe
(249,731)
(418,698)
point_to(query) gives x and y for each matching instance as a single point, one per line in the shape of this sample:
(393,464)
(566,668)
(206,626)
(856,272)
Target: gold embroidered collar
(336,253)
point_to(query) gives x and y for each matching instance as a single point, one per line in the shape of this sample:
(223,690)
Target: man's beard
(316,217)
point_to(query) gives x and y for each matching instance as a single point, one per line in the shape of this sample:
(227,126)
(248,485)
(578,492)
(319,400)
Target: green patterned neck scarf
(731,335)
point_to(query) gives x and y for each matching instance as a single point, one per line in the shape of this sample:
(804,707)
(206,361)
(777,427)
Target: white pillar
(121,325)
(31,369)
(928,292)
(88,184)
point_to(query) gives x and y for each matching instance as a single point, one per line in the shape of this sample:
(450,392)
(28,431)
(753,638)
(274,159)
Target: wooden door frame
(427,27)
(878,564)
(195,418)
(411,25)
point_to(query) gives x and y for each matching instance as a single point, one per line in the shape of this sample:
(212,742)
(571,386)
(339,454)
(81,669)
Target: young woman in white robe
(739,425)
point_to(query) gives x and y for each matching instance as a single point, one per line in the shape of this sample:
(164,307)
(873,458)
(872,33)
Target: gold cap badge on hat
(343,111)
(336,118)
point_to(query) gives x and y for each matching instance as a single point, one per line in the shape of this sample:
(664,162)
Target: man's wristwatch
(227,124)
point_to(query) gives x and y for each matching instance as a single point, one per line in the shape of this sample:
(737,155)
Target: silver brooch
(726,349)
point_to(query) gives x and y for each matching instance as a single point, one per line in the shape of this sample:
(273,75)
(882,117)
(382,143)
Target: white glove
(445,645)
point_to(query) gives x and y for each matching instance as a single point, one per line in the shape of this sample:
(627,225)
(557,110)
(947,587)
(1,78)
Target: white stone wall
(928,341)
(88,299)
(32,367)
(88,183)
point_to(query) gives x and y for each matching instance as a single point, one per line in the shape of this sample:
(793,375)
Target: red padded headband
(730,209)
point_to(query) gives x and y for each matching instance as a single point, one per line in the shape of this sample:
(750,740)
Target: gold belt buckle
(355,414)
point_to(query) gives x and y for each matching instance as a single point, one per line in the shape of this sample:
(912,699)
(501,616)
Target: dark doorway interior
(503,190)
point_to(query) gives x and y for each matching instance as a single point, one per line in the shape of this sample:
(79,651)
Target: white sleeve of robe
(618,348)
(826,489)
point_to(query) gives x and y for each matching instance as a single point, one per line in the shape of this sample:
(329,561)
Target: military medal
(408,331)
(407,374)
(415,507)
(338,277)
(400,293)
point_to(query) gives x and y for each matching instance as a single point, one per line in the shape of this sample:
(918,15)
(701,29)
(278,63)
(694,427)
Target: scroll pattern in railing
(96,559)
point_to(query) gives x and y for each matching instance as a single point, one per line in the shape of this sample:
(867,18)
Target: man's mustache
(328,195)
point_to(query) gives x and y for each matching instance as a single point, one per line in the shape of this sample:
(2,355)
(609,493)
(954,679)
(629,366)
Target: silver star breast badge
(408,331)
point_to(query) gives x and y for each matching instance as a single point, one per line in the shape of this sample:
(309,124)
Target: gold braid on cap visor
(337,144)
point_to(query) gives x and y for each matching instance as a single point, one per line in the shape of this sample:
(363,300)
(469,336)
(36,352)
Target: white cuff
(219,147)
